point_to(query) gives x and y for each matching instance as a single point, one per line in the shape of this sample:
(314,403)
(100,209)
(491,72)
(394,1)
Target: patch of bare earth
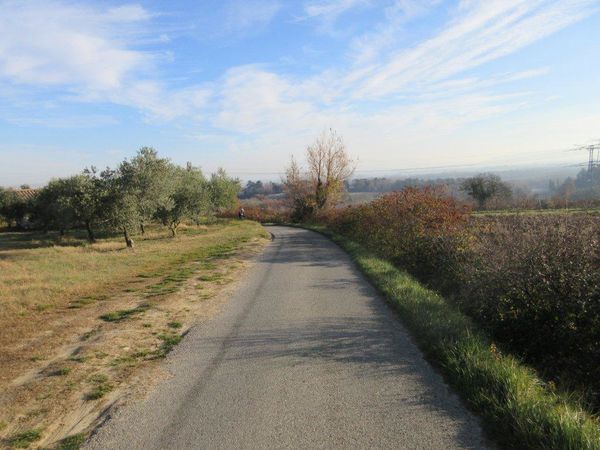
(60,382)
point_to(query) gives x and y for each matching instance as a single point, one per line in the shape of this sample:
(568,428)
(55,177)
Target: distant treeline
(585,186)
(582,189)
(125,199)
(257,188)
(486,191)
(385,185)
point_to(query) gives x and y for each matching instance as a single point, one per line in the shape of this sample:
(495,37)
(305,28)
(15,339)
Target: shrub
(534,284)
(531,281)
(419,229)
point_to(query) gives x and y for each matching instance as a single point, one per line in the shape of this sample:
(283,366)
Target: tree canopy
(139,190)
(484,187)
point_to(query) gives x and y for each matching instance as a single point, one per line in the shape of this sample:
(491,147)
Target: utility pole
(593,150)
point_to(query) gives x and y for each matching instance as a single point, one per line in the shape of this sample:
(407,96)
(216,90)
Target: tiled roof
(26,194)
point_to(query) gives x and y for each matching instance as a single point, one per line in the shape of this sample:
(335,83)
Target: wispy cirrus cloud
(330,10)
(249,16)
(327,12)
(424,89)
(481,32)
(388,33)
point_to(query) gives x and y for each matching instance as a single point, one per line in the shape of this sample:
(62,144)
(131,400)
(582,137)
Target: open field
(78,319)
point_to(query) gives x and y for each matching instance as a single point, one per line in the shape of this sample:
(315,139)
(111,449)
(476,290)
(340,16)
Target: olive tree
(14,208)
(146,179)
(120,208)
(53,205)
(223,191)
(189,197)
(5,199)
(87,199)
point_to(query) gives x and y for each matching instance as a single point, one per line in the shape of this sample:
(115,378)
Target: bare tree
(294,184)
(329,165)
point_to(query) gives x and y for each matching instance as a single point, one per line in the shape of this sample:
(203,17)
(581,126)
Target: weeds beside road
(531,281)
(518,409)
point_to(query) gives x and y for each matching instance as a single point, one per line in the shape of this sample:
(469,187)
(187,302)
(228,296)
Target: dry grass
(77,320)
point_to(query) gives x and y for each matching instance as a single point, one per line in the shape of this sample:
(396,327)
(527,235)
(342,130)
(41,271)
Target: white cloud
(389,32)
(127,13)
(327,12)
(54,43)
(160,103)
(330,10)
(90,54)
(253,100)
(247,16)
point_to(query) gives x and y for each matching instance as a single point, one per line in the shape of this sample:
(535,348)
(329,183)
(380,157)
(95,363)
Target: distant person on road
(242,214)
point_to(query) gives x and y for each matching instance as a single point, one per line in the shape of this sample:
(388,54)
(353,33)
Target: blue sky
(243,84)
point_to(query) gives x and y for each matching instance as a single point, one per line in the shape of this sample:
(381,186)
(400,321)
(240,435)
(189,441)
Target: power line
(593,150)
(481,164)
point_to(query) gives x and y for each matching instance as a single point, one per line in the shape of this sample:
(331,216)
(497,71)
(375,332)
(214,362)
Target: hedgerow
(532,282)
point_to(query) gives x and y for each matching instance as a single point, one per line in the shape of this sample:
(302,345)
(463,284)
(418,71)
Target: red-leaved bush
(420,229)
(532,281)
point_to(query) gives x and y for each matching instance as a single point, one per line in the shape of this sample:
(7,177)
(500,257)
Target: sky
(245,84)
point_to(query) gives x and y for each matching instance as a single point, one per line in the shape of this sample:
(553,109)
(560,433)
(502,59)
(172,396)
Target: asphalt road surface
(305,355)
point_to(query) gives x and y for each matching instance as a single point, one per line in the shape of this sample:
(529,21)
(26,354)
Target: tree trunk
(128,240)
(142,228)
(173,229)
(90,233)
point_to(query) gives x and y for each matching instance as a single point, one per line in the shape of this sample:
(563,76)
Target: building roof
(26,194)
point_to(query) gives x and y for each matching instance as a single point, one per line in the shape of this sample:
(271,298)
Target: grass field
(78,319)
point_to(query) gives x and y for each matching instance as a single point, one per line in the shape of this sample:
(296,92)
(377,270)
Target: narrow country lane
(305,355)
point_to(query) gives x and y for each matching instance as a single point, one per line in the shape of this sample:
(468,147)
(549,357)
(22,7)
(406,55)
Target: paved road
(305,355)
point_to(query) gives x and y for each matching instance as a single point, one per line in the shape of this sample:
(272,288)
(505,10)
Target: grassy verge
(519,411)
(109,313)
